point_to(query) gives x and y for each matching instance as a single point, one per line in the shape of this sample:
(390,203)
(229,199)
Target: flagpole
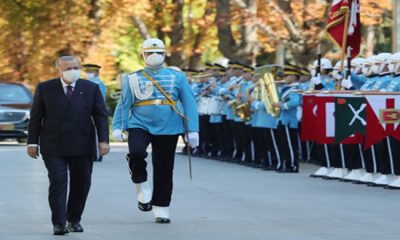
(344,42)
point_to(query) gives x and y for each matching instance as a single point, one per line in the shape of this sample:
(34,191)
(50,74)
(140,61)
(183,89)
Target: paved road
(224,201)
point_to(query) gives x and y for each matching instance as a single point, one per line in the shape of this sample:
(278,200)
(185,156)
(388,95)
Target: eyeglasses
(149,53)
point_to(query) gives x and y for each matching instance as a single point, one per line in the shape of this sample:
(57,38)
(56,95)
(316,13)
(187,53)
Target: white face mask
(155,59)
(365,71)
(71,75)
(90,75)
(375,69)
(335,73)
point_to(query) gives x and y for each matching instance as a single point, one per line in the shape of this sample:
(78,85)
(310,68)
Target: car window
(14,94)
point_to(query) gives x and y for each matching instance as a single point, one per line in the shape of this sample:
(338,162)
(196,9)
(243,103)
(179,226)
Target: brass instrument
(244,109)
(201,76)
(267,87)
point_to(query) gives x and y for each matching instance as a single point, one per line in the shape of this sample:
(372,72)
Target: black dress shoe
(60,230)
(162,220)
(75,227)
(145,207)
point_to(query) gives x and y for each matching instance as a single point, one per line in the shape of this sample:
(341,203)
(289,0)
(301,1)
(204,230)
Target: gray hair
(66,59)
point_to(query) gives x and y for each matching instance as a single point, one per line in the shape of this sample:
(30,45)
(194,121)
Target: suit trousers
(80,172)
(163,157)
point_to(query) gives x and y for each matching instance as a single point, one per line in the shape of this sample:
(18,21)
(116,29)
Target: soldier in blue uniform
(156,106)
(266,152)
(92,74)
(287,128)
(394,86)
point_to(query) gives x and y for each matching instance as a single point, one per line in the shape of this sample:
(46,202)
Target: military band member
(156,106)
(287,128)
(266,152)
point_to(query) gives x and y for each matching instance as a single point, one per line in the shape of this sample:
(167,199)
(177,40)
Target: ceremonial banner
(351,117)
(336,25)
(383,118)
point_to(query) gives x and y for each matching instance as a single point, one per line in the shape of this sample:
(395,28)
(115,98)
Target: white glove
(338,76)
(316,80)
(119,135)
(192,139)
(346,83)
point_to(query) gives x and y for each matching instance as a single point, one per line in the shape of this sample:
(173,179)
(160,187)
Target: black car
(15,105)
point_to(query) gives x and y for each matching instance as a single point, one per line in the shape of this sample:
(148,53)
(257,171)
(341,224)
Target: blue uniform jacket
(260,117)
(394,84)
(382,82)
(102,86)
(370,82)
(290,101)
(156,119)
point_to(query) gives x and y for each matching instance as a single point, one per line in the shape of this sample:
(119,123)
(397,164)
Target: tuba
(267,87)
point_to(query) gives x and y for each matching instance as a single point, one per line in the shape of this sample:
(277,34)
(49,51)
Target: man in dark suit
(64,115)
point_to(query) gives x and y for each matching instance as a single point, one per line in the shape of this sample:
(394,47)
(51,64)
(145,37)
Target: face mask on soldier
(155,59)
(90,75)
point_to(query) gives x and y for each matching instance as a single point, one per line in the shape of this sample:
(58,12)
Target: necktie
(69,92)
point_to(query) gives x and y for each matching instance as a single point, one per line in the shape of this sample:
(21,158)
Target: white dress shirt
(64,84)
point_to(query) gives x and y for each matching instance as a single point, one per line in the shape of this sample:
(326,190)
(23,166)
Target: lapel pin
(81,93)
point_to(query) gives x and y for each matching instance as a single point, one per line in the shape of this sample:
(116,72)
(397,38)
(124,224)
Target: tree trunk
(176,35)
(246,49)
(370,41)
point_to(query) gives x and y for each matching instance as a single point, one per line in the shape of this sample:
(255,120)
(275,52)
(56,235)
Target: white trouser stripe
(290,146)
(278,156)
(299,143)
(373,159)
(362,156)
(390,155)
(308,150)
(342,156)
(328,160)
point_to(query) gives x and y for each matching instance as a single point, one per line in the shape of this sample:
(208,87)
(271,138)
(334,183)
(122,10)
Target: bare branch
(141,26)
(240,3)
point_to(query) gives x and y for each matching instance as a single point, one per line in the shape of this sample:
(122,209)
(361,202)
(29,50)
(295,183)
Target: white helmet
(157,48)
(337,65)
(336,70)
(367,65)
(394,62)
(357,62)
(153,45)
(325,63)
(382,59)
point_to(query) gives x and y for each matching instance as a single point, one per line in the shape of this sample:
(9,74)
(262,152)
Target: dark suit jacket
(66,127)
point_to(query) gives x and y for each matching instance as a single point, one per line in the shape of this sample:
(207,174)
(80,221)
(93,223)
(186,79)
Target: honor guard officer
(156,106)
(92,74)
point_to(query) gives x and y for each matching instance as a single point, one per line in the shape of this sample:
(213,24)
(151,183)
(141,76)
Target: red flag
(336,24)
(309,118)
(382,119)
(318,123)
